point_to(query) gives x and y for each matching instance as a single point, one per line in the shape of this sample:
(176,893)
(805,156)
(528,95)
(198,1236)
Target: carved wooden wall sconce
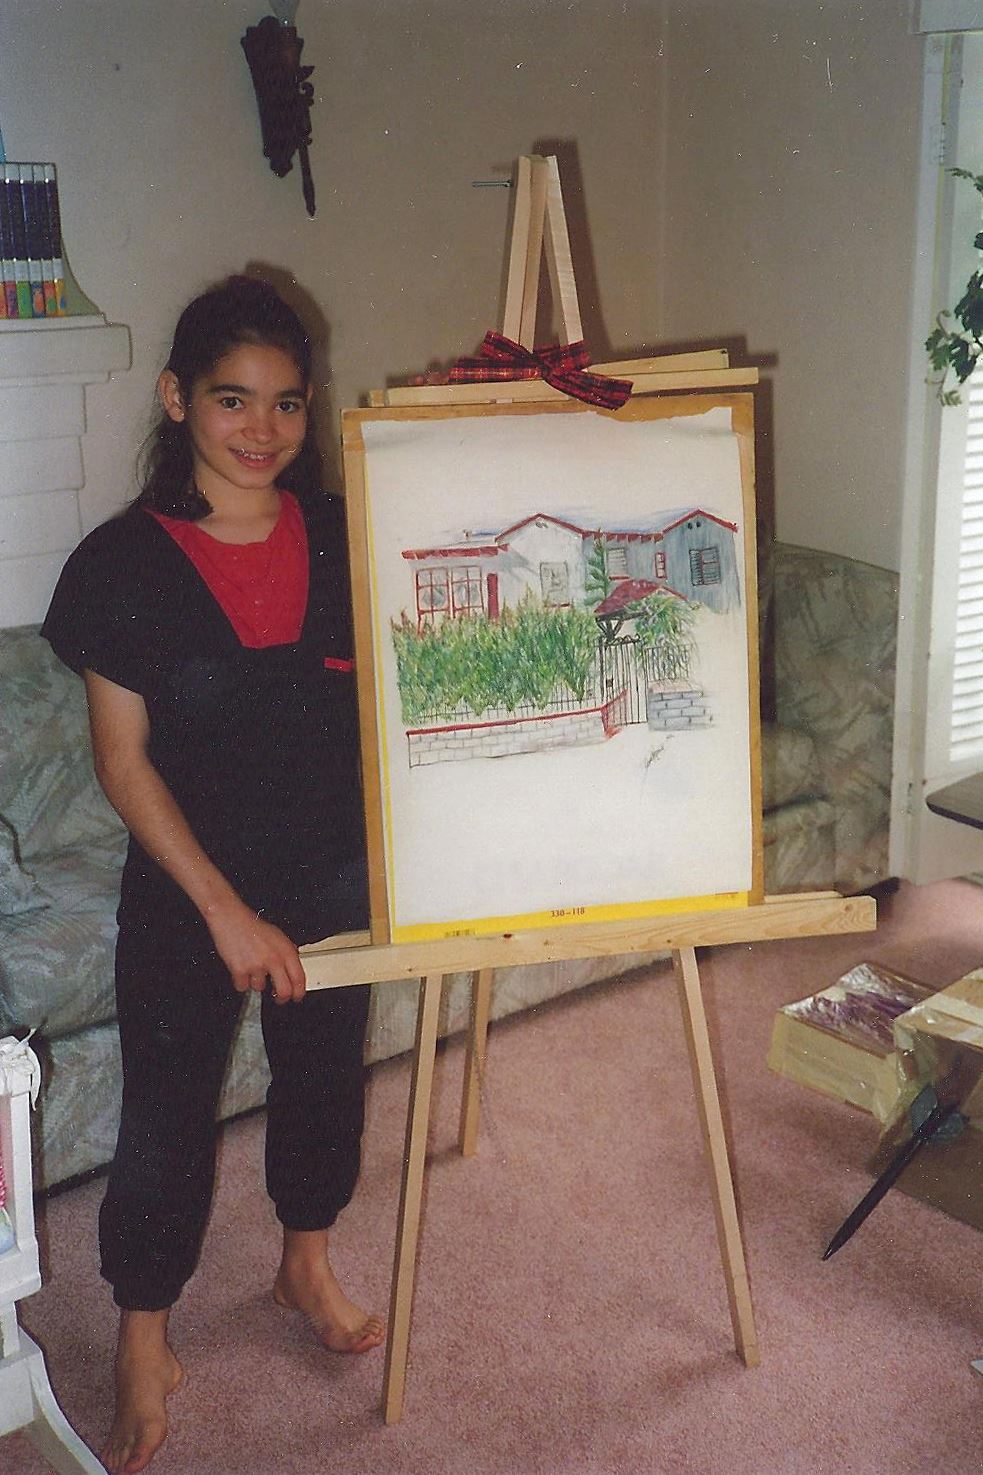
(283,92)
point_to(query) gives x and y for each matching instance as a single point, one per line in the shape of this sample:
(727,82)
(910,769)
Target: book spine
(18,225)
(47,262)
(54,227)
(9,274)
(6,248)
(35,246)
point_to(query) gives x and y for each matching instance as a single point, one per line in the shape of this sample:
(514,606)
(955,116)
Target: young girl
(210,623)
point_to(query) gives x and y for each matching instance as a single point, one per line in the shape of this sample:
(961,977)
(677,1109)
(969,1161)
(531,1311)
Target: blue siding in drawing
(701,562)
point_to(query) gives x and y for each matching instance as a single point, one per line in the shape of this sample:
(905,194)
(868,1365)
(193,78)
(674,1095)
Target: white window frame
(924,846)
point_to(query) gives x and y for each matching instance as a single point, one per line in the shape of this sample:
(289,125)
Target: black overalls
(260,750)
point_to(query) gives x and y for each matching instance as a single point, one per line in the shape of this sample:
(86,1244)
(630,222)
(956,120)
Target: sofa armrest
(834,650)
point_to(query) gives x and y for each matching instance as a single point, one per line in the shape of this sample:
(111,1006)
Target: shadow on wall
(308,309)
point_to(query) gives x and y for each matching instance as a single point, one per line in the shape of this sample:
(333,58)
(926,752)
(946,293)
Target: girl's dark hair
(238,311)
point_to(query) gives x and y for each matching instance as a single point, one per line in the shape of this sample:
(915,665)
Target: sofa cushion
(799,848)
(835,629)
(790,768)
(56,970)
(85,880)
(18,890)
(49,795)
(56,965)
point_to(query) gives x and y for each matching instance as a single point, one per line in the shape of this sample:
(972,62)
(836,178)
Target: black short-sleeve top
(258,747)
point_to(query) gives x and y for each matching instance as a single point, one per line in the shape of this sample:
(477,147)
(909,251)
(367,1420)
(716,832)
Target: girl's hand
(255,952)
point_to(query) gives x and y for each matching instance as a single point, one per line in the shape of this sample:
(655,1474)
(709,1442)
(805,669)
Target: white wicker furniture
(26,1400)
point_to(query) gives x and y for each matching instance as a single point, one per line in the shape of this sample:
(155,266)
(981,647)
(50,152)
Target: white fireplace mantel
(45,366)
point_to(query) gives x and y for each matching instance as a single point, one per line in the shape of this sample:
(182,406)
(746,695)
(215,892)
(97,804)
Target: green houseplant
(957,349)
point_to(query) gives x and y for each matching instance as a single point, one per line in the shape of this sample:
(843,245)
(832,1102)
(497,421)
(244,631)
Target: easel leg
(410,1198)
(474,1065)
(711,1122)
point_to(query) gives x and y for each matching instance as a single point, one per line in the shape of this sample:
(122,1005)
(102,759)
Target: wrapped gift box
(841,1041)
(941,1040)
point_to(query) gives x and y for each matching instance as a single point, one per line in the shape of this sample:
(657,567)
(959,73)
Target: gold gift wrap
(841,1041)
(942,1039)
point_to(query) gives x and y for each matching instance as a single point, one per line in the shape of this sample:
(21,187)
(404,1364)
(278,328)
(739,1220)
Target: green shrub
(663,617)
(663,623)
(524,656)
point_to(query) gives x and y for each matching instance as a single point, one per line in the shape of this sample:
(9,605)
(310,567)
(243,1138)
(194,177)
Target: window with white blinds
(939,678)
(966,730)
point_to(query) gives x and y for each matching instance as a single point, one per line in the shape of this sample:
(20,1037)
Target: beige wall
(748,168)
(790,189)
(149,113)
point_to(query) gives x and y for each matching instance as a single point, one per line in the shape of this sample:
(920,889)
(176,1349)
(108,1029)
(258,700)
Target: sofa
(828,645)
(828,648)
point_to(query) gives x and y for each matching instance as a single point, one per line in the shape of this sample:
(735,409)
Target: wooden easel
(427,964)
(538,222)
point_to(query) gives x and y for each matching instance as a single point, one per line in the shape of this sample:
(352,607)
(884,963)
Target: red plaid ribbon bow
(562,366)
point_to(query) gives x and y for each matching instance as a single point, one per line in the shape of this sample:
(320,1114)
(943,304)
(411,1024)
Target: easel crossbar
(792,916)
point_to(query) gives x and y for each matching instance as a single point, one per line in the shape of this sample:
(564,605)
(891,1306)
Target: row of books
(30,242)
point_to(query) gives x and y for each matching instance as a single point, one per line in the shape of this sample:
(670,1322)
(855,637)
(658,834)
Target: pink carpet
(570,1315)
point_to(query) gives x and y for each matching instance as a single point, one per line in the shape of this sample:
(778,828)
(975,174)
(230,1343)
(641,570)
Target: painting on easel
(556,608)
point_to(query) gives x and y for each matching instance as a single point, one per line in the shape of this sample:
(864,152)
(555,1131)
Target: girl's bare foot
(147,1373)
(305,1282)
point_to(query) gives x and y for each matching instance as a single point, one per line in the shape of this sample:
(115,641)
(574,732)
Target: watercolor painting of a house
(563,632)
(687,550)
(559,613)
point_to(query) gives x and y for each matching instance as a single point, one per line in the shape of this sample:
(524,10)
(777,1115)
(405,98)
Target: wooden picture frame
(702,439)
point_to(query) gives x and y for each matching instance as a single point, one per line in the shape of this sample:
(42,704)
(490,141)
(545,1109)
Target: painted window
(616,560)
(453,591)
(704,565)
(432,595)
(466,590)
(554,579)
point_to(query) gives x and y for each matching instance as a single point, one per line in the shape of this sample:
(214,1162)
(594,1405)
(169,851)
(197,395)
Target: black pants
(176,1022)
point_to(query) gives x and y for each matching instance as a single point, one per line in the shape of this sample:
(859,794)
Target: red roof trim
(559,522)
(698,512)
(478,550)
(605,535)
(612,535)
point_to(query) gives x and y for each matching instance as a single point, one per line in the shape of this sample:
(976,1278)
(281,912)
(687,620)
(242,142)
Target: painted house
(690,550)
(700,558)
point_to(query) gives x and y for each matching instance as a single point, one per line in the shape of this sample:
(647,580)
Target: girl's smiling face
(246,418)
